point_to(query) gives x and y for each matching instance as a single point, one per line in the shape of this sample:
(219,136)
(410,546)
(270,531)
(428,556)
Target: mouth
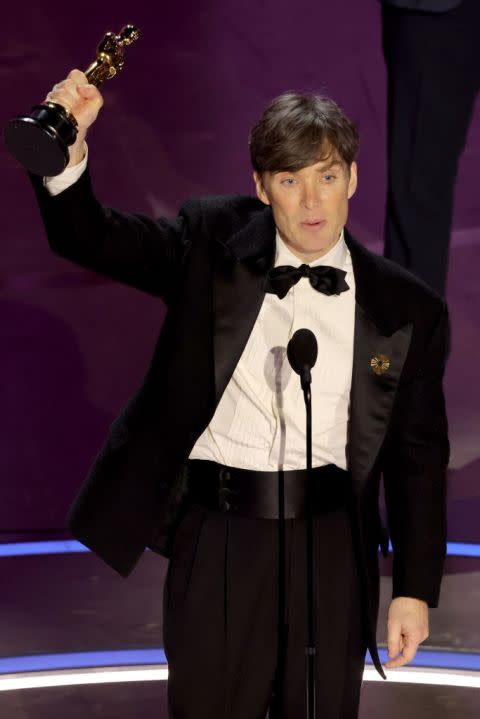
(313,224)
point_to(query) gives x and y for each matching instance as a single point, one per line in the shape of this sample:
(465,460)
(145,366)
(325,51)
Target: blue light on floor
(70,546)
(28,549)
(438,659)
(457,549)
(467,661)
(81,660)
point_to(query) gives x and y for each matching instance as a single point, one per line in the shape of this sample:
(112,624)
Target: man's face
(310,206)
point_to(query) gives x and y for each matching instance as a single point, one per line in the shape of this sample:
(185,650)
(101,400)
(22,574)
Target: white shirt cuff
(59,183)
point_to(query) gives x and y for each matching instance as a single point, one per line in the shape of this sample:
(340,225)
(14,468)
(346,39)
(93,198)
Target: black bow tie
(326,279)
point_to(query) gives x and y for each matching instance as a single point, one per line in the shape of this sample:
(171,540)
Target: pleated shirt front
(260,420)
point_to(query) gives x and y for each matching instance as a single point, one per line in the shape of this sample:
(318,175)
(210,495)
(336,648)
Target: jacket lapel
(373,390)
(241,265)
(381,342)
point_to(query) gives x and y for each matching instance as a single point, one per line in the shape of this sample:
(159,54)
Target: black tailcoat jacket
(209,266)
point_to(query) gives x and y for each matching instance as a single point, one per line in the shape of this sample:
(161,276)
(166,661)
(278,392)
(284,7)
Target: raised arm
(131,248)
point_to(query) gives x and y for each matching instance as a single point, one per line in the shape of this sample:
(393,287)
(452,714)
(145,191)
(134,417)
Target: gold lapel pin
(380,364)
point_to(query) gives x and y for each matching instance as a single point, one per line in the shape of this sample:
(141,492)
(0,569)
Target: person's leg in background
(433,70)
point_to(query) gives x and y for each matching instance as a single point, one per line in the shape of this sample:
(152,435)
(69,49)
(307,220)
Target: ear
(352,183)
(260,189)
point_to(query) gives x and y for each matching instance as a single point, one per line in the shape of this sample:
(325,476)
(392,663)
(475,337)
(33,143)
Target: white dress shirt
(59,183)
(260,420)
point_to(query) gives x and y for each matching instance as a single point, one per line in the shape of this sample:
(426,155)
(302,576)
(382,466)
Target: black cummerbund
(271,495)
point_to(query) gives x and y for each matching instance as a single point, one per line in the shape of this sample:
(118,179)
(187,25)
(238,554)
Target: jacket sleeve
(415,472)
(130,248)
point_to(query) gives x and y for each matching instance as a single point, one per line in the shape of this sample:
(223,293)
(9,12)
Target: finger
(64,89)
(62,98)
(407,655)
(399,661)
(393,638)
(63,85)
(395,663)
(86,89)
(77,76)
(65,94)
(90,92)
(411,645)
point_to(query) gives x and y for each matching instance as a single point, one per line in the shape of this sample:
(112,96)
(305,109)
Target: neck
(309,256)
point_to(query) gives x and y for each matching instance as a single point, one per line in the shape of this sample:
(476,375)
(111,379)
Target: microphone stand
(310,649)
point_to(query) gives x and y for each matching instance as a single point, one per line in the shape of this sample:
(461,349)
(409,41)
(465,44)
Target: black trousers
(222,618)
(433,71)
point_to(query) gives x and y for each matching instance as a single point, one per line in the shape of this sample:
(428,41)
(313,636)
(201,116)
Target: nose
(311,197)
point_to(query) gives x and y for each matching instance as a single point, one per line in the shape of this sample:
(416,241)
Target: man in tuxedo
(206,464)
(430,50)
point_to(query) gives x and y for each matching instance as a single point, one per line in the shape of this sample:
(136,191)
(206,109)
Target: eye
(329,178)
(288,182)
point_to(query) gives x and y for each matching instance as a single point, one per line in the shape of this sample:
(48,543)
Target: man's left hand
(407,627)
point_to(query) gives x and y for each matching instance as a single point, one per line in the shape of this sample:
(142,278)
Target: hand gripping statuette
(40,141)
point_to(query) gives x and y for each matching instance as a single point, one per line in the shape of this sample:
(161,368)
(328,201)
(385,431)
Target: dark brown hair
(296,130)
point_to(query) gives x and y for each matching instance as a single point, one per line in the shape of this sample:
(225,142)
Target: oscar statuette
(40,141)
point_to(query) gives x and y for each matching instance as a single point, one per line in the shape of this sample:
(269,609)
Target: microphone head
(302,350)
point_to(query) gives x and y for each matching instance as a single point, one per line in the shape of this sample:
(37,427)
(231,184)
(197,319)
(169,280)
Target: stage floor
(59,604)
(149,700)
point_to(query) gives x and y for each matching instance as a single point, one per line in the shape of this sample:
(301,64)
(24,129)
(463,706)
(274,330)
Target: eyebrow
(333,163)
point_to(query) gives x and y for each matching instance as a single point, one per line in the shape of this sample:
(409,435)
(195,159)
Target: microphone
(302,352)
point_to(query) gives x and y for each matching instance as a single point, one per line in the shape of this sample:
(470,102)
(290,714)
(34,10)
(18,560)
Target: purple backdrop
(175,123)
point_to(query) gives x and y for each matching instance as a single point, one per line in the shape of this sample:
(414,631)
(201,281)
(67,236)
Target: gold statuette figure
(110,54)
